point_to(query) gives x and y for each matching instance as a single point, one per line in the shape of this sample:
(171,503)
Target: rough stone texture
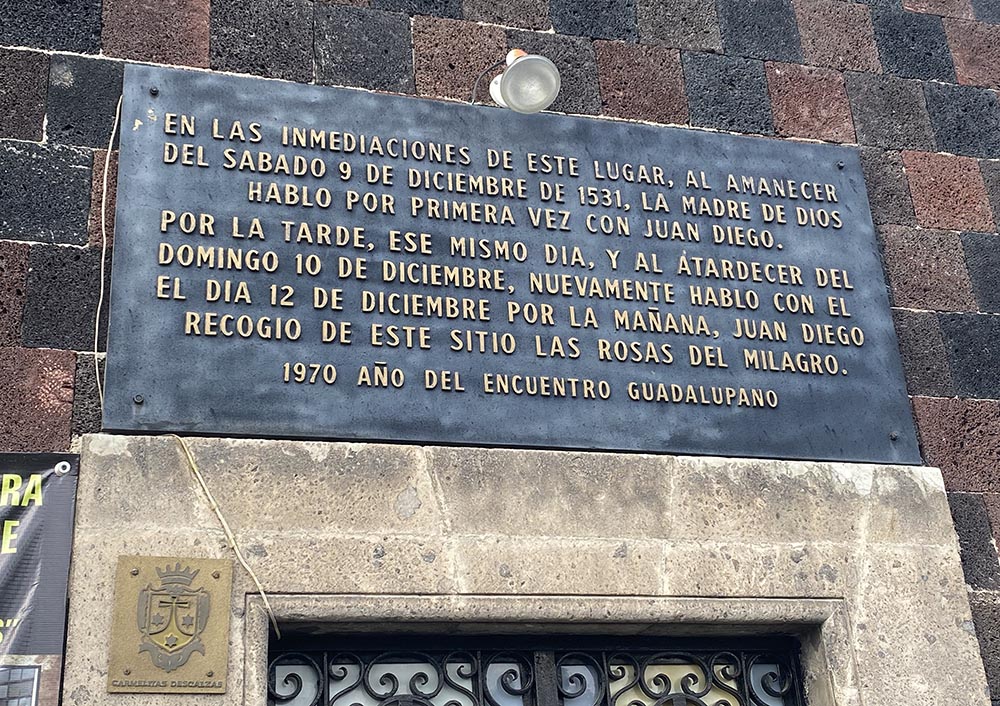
(986,11)
(991,177)
(889,112)
(62,175)
(36,399)
(530,14)
(926,269)
(24,76)
(979,556)
(992,501)
(809,102)
(966,120)
(161,31)
(364,48)
(727,93)
(86,402)
(948,191)
(973,342)
(837,34)
(913,45)
(641,82)
(888,190)
(876,541)
(94,234)
(52,24)
(271,38)
(919,634)
(435,8)
(975,48)
(449,54)
(62,298)
(760,29)
(924,357)
(982,259)
(684,24)
(986,614)
(83,96)
(600,19)
(574,57)
(946,8)
(962,437)
(13,274)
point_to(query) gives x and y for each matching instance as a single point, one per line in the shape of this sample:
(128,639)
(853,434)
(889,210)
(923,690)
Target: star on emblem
(187,622)
(157,620)
(171,641)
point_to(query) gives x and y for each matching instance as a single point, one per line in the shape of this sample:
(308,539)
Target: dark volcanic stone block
(44,192)
(837,34)
(913,45)
(271,38)
(52,24)
(684,24)
(889,112)
(760,29)
(727,93)
(531,14)
(982,259)
(356,46)
(36,399)
(926,269)
(888,190)
(13,274)
(86,402)
(966,120)
(574,56)
(986,617)
(922,349)
(973,343)
(63,288)
(83,95)
(435,8)
(979,556)
(987,11)
(600,19)
(24,78)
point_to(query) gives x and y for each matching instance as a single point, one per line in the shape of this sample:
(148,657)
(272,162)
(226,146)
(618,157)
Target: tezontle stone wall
(911,81)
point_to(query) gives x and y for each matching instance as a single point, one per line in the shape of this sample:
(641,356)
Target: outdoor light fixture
(529,83)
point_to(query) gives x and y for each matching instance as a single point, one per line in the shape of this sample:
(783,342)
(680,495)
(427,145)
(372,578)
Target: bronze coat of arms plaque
(170,631)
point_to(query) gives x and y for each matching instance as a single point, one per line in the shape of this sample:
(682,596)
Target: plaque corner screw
(138,399)
(126,671)
(215,575)
(893,435)
(154,91)
(134,572)
(840,164)
(209,674)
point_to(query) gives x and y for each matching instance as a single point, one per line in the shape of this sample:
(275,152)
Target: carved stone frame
(822,625)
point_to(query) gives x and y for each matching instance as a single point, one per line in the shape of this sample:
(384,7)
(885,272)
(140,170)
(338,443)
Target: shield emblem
(171,618)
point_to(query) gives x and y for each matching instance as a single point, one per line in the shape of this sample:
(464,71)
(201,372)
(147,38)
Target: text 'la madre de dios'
(696,203)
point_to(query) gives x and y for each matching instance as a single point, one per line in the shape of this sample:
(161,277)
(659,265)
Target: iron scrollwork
(507,678)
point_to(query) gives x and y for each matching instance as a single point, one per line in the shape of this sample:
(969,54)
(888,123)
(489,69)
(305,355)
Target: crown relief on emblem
(172,616)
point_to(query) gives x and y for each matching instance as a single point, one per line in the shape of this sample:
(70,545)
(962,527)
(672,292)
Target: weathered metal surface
(165,374)
(170,633)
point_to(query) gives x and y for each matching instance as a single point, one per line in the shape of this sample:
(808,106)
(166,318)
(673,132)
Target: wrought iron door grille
(667,674)
(18,685)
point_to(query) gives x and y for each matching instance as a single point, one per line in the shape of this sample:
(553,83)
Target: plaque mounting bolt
(138,399)
(215,575)
(210,674)
(134,572)
(840,165)
(893,436)
(154,91)
(126,671)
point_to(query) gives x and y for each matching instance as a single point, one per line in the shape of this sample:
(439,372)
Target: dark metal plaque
(300,261)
